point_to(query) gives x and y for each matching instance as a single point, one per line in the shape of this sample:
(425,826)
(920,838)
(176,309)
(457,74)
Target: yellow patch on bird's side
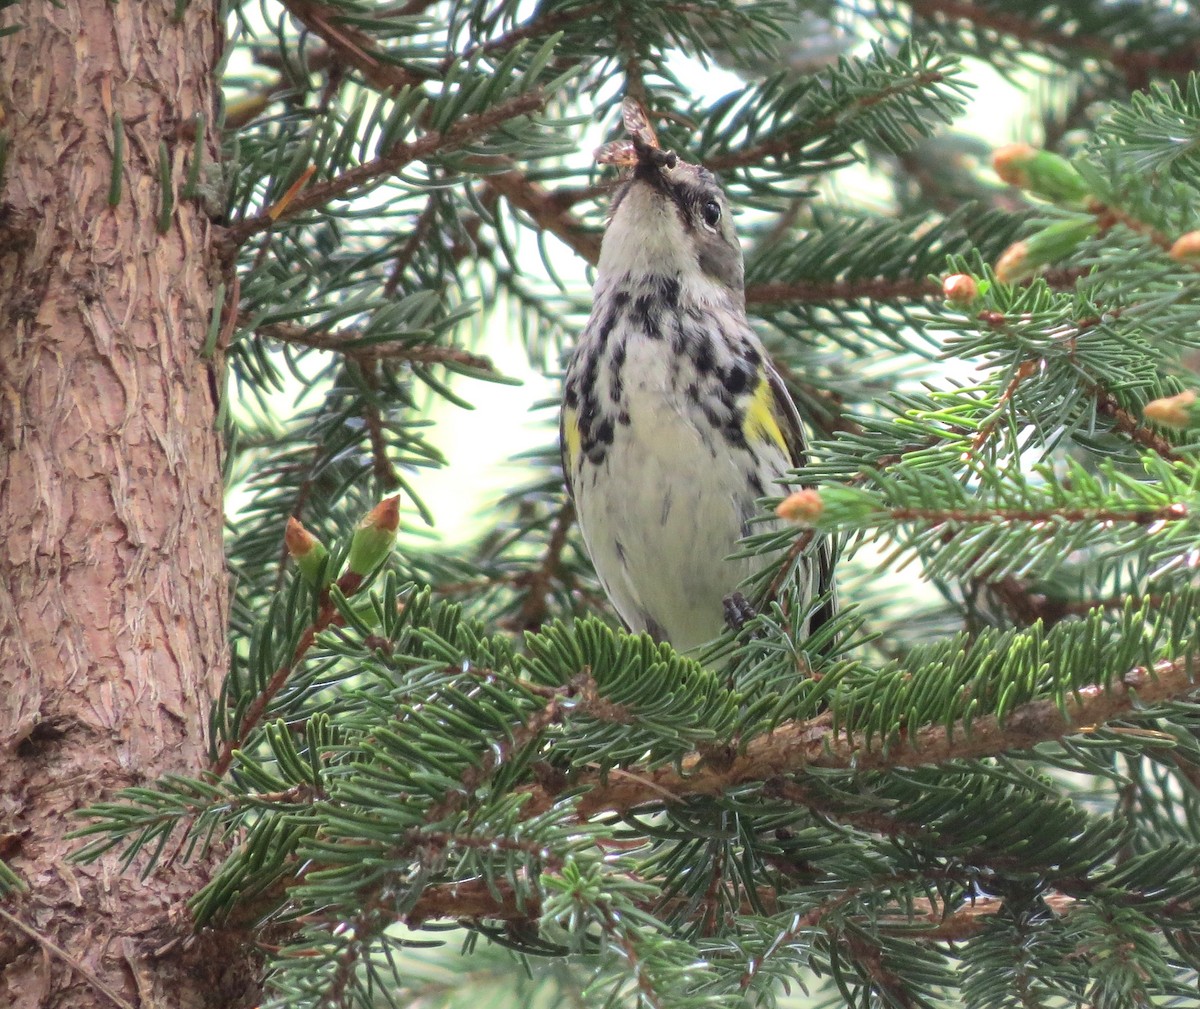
(760,424)
(571,437)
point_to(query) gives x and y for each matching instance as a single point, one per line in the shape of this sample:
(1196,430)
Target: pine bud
(1039,172)
(374,537)
(802,507)
(306,550)
(1186,248)
(1180,411)
(1013,264)
(1053,243)
(960,289)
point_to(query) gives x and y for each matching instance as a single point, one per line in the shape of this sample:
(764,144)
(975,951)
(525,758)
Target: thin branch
(537,586)
(547,212)
(1026,606)
(624,935)
(799,924)
(945,516)
(327,616)
(471,900)
(398,156)
(411,246)
(793,746)
(1126,423)
(1135,64)
(381,463)
(855,289)
(341,341)
(352,45)
(1025,369)
(545,24)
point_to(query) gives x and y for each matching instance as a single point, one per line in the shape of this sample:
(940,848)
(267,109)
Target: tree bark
(112,587)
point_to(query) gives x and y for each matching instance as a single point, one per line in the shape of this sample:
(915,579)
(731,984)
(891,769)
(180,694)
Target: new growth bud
(307,551)
(374,537)
(1186,248)
(1181,411)
(960,289)
(1013,264)
(1041,173)
(1053,243)
(803,507)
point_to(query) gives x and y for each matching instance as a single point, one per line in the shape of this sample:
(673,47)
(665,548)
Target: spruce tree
(443,773)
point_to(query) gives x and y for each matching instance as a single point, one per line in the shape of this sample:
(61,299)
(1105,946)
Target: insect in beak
(641,149)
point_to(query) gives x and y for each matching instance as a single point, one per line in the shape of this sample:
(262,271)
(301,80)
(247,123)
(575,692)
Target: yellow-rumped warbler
(674,423)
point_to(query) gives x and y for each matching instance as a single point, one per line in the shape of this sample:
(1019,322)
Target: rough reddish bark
(112,592)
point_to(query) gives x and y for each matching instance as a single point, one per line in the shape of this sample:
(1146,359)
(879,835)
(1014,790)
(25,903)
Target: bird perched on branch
(674,423)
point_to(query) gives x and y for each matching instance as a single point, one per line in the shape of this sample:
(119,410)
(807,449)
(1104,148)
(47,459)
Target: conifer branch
(472,900)
(1135,64)
(279,678)
(404,153)
(792,140)
(874,288)
(411,246)
(626,939)
(800,924)
(327,616)
(539,26)
(1027,607)
(869,956)
(1126,423)
(957,516)
(794,746)
(352,45)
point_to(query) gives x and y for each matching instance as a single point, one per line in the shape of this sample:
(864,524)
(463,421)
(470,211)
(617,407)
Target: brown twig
(1126,423)
(1025,370)
(546,212)
(533,607)
(1026,606)
(352,45)
(397,157)
(472,900)
(884,980)
(1108,217)
(406,252)
(381,462)
(341,342)
(799,924)
(623,934)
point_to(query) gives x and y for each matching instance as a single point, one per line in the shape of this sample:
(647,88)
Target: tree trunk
(112,589)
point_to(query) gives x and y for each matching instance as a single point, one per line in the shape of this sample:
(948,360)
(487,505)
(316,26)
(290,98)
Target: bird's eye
(712,212)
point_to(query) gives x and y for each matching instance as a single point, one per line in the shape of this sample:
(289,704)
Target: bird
(674,423)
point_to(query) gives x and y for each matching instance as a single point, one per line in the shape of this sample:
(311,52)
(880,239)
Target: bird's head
(670,217)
